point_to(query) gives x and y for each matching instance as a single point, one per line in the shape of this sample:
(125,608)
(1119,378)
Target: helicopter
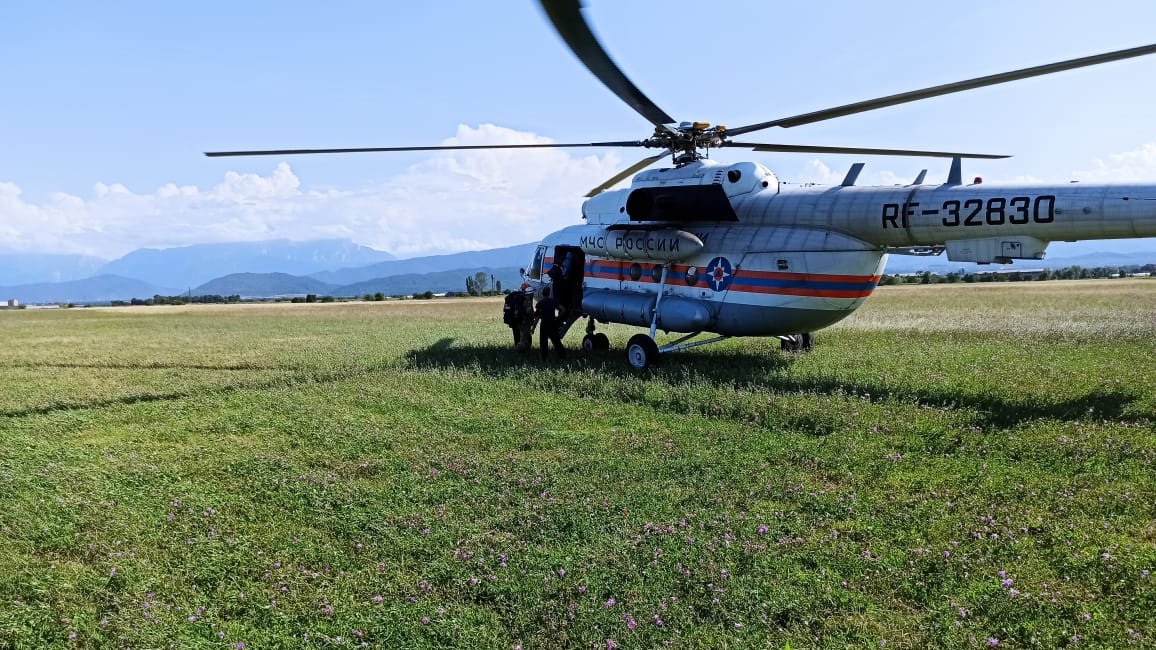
(725,250)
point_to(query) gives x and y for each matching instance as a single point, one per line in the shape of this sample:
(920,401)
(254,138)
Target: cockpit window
(536,268)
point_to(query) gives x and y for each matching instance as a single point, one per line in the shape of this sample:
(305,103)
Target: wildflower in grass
(240,645)
(630,622)
(582,589)
(425,620)
(327,609)
(424,586)
(1144,574)
(610,644)
(561,573)
(762,529)
(658,621)
(610,602)
(992,642)
(1006,582)
(377,600)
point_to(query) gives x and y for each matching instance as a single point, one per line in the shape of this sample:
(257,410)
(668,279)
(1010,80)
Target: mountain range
(249,269)
(340,268)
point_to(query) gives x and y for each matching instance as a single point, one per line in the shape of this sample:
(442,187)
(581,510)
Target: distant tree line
(479,284)
(1016,275)
(179,300)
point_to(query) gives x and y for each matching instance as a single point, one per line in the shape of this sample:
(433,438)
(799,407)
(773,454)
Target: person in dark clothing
(547,316)
(512,314)
(557,287)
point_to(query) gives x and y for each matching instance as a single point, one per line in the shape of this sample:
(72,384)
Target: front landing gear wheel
(798,343)
(595,343)
(641,352)
(589,343)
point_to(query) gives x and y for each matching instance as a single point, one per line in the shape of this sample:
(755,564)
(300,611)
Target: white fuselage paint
(802,259)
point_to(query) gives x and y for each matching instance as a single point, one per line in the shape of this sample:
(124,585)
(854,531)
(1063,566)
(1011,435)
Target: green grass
(394,474)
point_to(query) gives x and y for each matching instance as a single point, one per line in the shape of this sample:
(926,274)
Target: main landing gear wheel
(598,342)
(641,352)
(798,342)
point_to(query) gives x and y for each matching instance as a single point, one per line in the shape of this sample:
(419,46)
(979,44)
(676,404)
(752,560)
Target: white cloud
(1136,166)
(451,201)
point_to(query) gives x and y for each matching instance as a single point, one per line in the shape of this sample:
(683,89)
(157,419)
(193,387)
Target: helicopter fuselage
(723,249)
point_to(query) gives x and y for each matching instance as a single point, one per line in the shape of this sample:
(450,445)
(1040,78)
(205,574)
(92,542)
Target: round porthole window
(636,272)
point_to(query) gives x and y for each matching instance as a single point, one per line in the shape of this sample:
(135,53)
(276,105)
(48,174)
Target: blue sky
(108,106)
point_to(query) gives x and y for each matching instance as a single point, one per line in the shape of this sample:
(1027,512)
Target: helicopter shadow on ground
(760,371)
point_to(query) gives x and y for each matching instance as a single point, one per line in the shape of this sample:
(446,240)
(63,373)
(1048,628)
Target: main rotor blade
(638,166)
(566,15)
(946,89)
(454,147)
(802,148)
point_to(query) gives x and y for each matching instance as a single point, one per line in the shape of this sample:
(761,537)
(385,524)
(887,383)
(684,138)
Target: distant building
(13,303)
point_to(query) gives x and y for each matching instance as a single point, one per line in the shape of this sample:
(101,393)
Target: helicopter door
(571,264)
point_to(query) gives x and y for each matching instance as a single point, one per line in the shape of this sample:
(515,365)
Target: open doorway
(566,275)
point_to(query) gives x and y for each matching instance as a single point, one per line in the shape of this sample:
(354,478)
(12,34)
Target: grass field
(953,466)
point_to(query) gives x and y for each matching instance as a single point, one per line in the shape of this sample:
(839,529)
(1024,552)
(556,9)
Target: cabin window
(536,267)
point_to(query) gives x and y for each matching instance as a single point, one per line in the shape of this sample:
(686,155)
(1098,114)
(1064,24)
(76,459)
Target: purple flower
(425,620)
(992,642)
(610,644)
(762,529)
(377,600)
(630,622)
(1006,582)
(610,602)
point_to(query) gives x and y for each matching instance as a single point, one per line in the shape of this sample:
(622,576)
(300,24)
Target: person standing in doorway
(547,316)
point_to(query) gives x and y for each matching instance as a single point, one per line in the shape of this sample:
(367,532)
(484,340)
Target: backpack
(512,308)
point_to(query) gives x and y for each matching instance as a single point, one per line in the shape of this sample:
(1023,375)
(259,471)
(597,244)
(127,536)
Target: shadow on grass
(755,372)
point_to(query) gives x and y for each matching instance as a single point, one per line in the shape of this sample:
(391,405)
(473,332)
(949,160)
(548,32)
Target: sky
(106,108)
